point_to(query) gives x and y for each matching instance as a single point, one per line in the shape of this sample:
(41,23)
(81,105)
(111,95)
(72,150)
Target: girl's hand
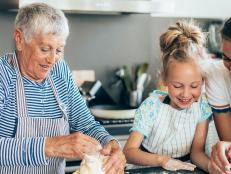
(174,165)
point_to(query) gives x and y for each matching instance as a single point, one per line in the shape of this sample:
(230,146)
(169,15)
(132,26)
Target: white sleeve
(218,84)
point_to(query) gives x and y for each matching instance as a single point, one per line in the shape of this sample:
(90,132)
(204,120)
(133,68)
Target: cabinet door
(218,9)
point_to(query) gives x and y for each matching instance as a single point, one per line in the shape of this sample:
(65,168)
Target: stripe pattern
(166,130)
(173,131)
(25,150)
(35,127)
(221,110)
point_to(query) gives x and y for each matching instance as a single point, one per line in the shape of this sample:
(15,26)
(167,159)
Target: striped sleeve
(5,79)
(2,96)
(22,152)
(80,118)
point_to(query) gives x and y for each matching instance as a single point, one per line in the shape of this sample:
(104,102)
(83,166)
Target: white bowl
(112,111)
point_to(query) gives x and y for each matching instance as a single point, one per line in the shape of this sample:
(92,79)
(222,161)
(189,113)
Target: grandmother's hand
(220,156)
(75,145)
(116,161)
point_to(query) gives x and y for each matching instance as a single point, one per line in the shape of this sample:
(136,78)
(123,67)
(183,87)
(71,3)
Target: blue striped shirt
(41,102)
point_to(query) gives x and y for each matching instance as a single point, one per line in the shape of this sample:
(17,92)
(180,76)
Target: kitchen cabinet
(93,6)
(161,8)
(213,9)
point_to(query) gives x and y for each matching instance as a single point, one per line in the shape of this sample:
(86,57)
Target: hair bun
(182,42)
(182,33)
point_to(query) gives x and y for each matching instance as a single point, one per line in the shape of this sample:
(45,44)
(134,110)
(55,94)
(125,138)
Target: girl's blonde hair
(182,42)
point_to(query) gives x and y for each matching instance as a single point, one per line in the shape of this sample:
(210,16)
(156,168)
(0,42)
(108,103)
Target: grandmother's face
(37,57)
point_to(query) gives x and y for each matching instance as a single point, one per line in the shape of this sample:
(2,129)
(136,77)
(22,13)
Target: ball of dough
(92,164)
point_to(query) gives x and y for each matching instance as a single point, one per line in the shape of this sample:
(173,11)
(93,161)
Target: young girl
(170,128)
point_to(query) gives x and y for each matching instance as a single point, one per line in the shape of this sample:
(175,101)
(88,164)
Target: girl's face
(184,82)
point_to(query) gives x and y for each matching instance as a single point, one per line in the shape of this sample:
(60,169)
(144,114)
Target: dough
(92,164)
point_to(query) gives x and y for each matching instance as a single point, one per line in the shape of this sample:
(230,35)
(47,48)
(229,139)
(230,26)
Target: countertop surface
(159,170)
(154,170)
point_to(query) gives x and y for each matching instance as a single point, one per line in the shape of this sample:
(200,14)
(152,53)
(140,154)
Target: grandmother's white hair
(40,18)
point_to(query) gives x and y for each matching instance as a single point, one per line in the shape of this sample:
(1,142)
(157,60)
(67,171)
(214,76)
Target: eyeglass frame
(226,58)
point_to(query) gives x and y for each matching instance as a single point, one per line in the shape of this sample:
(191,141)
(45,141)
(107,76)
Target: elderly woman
(40,103)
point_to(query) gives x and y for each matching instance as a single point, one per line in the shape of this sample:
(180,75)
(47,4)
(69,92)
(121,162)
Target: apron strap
(20,93)
(62,106)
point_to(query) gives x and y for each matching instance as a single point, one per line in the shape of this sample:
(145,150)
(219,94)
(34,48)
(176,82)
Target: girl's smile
(184,82)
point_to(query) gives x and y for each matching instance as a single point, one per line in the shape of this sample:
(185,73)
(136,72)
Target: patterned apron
(173,131)
(37,127)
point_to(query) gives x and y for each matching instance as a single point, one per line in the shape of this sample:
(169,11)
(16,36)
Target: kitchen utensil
(112,111)
(147,81)
(140,81)
(127,79)
(141,70)
(134,85)
(142,78)
(124,77)
(120,73)
(94,93)
(135,98)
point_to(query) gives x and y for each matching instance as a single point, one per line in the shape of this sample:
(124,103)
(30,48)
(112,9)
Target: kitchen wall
(104,43)
(6,31)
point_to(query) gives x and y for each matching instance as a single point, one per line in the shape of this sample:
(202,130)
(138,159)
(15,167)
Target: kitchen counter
(119,129)
(159,170)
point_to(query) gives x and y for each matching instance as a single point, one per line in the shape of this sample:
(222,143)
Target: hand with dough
(174,165)
(92,164)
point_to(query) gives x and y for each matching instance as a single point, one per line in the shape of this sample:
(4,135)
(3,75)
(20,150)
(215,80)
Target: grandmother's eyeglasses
(226,58)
